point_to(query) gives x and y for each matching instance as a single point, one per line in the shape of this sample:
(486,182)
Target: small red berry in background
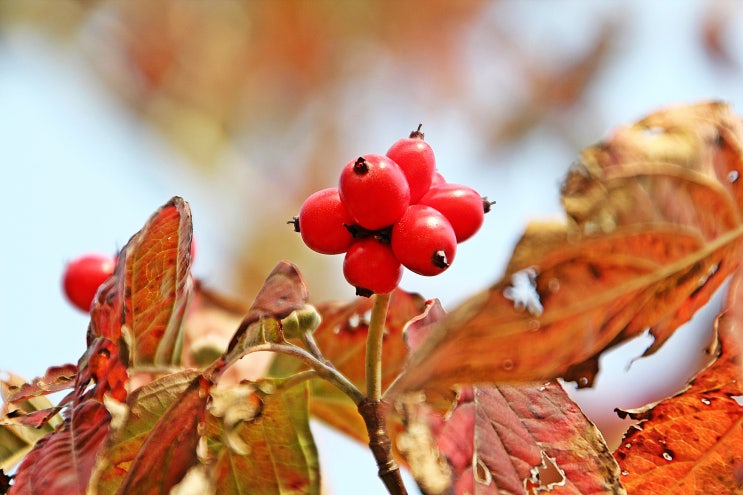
(83,276)
(415,157)
(424,241)
(322,223)
(391,211)
(371,267)
(374,190)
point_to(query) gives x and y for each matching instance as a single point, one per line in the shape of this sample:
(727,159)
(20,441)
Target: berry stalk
(374,347)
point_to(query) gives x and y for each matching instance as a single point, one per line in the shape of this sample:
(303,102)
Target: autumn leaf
(269,449)
(509,438)
(283,291)
(138,423)
(16,438)
(342,339)
(514,439)
(654,230)
(145,300)
(55,379)
(690,443)
(62,461)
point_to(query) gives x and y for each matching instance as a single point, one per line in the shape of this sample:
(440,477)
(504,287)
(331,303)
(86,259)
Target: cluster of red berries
(390,211)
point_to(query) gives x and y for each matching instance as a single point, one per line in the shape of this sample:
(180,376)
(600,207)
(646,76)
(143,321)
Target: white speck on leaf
(523,292)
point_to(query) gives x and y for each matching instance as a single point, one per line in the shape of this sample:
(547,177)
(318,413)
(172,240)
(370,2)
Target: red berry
(461,205)
(415,158)
(424,240)
(322,220)
(374,190)
(371,267)
(437,179)
(83,276)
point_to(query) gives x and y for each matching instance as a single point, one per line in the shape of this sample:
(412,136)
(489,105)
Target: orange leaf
(147,296)
(690,443)
(655,230)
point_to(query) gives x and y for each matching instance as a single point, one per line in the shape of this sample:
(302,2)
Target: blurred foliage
(269,94)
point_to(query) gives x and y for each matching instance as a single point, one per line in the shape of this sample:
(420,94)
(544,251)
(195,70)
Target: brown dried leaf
(655,231)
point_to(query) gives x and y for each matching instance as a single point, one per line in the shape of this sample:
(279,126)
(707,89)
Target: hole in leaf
(481,471)
(545,476)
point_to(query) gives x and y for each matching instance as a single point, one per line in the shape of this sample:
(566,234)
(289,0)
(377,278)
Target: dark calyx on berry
(417,134)
(358,232)
(439,259)
(360,291)
(295,222)
(360,167)
(487,205)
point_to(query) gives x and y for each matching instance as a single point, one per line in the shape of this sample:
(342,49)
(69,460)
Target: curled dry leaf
(690,443)
(654,230)
(55,379)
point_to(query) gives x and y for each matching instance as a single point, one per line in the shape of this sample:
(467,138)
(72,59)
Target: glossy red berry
(415,158)
(84,275)
(322,222)
(424,240)
(437,179)
(461,205)
(371,267)
(374,190)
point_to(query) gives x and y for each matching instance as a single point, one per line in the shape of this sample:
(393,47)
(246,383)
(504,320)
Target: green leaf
(273,451)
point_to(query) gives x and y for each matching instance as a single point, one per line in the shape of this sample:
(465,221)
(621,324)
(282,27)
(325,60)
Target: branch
(374,414)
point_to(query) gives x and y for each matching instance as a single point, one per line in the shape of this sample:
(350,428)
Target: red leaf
(169,450)
(517,438)
(283,292)
(55,379)
(61,463)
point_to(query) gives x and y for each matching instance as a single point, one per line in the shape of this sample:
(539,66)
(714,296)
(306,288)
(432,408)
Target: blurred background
(110,107)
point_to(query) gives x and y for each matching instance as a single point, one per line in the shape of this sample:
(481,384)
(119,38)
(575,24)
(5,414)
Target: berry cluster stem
(374,347)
